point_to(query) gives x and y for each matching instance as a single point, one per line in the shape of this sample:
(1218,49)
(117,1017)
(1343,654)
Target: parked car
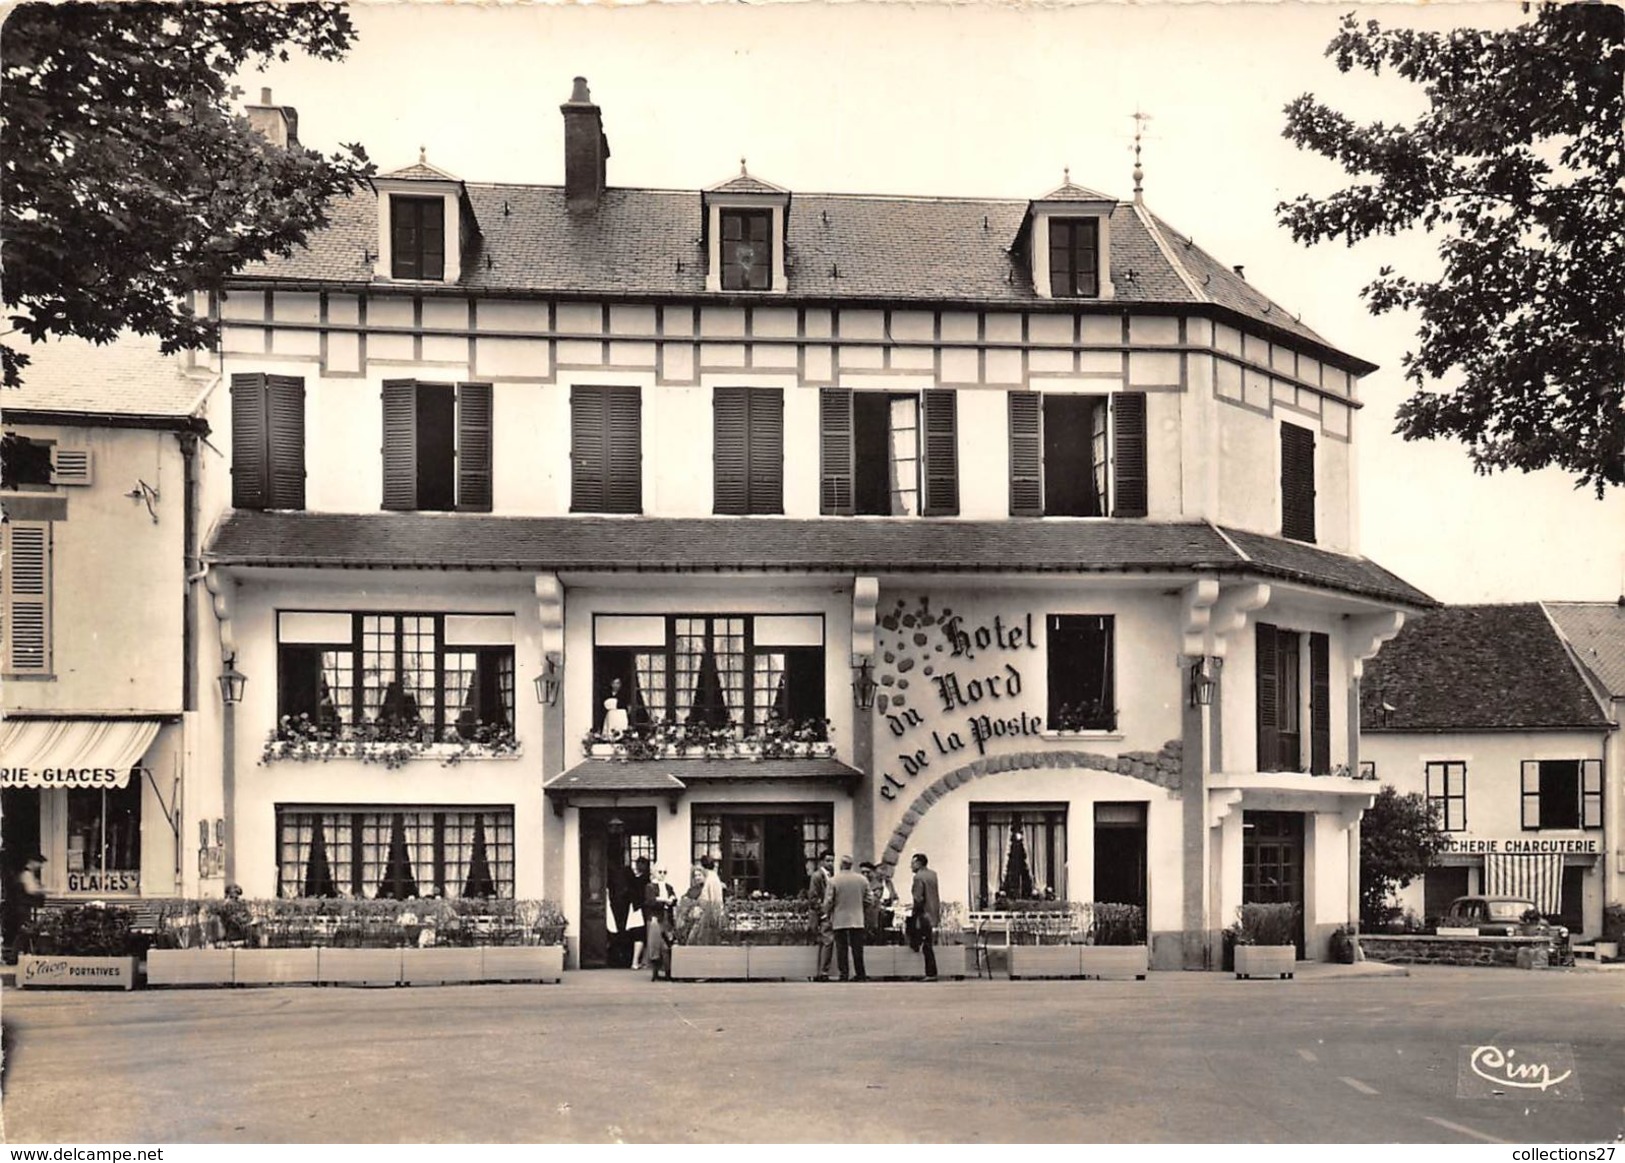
(1499,916)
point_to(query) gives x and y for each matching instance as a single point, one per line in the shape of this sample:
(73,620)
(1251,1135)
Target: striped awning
(1535,877)
(73,752)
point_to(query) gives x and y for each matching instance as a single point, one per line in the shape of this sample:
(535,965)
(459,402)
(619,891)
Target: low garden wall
(1416,949)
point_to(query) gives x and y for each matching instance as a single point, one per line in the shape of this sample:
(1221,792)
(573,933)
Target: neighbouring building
(1486,712)
(573,523)
(101,459)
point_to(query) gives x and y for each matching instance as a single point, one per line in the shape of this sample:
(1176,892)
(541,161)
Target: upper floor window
(421,676)
(708,670)
(749,450)
(1082,692)
(889,454)
(417,237)
(25,597)
(1297,483)
(267,442)
(1281,703)
(1077,456)
(606,450)
(1447,794)
(25,463)
(1074,257)
(1562,793)
(437,446)
(747,250)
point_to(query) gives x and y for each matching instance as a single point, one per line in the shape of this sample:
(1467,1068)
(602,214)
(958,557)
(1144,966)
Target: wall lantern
(863,685)
(1202,684)
(549,681)
(232,683)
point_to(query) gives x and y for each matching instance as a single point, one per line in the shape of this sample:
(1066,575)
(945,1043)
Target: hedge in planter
(1264,936)
(79,947)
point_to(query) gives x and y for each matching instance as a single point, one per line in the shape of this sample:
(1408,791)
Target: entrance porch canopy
(609,777)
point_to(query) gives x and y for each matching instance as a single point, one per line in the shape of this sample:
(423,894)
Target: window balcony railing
(776,739)
(394,744)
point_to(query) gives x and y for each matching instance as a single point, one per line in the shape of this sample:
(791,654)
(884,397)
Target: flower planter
(782,962)
(191,966)
(521,962)
(358,966)
(66,972)
(439,966)
(704,962)
(1266,960)
(274,966)
(901,961)
(1115,962)
(1045,961)
(1607,950)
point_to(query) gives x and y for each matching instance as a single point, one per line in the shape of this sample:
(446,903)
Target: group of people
(647,912)
(855,903)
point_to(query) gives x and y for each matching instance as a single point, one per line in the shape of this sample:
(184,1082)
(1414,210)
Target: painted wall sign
(111,881)
(76,972)
(1522,845)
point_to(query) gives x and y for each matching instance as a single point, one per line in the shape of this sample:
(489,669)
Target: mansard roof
(771,544)
(839,249)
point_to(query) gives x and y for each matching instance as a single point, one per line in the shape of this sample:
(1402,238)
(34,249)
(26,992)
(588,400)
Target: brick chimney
(278,124)
(586,150)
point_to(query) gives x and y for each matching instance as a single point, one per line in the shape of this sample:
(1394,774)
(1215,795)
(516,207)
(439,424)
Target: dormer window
(747,250)
(417,237)
(425,225)
(1074,257)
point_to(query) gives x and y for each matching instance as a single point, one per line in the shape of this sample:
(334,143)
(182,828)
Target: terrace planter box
(1045,961)
(901,961)
(67,972)
(521,962)
(191,966)
(782,962)
(705,962)
(274,966)
(1115,962)
(358,966)
(1266,960)
(439,966)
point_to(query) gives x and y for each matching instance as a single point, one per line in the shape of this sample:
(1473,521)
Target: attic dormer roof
(745,182)
(1070,191)
(421,170)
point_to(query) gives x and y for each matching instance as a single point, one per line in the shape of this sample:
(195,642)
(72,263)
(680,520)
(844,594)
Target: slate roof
(422,169)
(128,377)
(1070,191)
(1477,668)
(813,545)
(607,775)
(839,248)
(1596,633)
(743,183)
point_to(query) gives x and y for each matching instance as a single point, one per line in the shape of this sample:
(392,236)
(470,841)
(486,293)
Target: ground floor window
(1017,852)
(768,850)
(104,838)
(395,853)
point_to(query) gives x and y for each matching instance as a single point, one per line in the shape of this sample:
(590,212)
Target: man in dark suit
(845,898)
(927,910)
(818,890)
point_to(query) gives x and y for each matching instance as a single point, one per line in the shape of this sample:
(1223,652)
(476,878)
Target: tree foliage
(1517,167)
(128,183)
(1399,839)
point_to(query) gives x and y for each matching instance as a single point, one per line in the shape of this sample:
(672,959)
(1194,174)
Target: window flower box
(708,962)
(1115,962)
(358,966)
(1266,960)
(1045,961)
(274,966)
(522,963)
(191,967)
(64,971)
(781,962)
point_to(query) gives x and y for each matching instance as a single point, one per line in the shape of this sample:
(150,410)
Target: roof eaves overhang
(87,419)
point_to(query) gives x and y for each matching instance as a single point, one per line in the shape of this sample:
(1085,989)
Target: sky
(991,100)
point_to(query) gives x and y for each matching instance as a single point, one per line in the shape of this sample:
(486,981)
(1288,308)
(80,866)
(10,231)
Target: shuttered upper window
(1281,700)
(1074,257)
(1297,483)
(437,446)
(606,450)
(417,237)
(1562,793)
(267,442)
(749,450)
(747,250)
(889,454)
(25,621)
(1077,456)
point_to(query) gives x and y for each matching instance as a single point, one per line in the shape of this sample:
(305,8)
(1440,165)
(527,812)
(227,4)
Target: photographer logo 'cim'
(1524,1072)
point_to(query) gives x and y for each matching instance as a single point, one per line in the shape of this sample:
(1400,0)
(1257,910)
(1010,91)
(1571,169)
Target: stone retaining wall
(1412,949)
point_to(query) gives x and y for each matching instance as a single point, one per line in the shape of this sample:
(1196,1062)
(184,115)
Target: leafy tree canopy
(1517,167)
(128,183)
(1399,838)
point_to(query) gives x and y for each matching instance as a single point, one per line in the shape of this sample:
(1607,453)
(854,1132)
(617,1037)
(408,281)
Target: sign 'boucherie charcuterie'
(72,777)
(1522,846)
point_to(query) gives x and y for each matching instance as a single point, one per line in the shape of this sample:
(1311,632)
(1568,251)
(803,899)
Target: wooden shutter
(400,444)
(765,467)
(731,450)
(72,466)
(1269,708)
(250,471)
(587,465)
(1320,705)
(285,427)
(623,451)
(1129,481)
(1297,483)
(941,406)
(835,452)
(1531,794)
(474,420)
(1026,454)
(27,592)
(1590,793)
